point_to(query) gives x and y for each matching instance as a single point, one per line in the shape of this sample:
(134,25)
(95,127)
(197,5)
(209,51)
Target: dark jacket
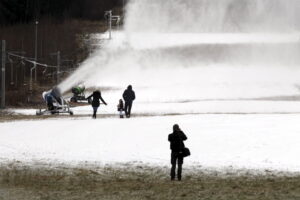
(120,106)
(96,99)
(129,95)
(176,141)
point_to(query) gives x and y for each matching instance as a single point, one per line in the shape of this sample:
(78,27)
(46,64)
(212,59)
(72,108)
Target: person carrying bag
(178,151)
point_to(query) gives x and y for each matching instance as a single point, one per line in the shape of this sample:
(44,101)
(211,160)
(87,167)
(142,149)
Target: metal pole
(33,68)
(58,67)
(11,71)
(118,22)
(110,15)
(35,49)
(16,82)
(2,105)
(123,10)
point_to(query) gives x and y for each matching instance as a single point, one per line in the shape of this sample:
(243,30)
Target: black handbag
(186,152)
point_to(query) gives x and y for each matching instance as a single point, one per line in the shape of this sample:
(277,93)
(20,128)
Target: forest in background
(63,26)
(25,11)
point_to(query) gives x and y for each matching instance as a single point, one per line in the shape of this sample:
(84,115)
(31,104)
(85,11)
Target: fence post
(2,104)
(35,49)
(58,68)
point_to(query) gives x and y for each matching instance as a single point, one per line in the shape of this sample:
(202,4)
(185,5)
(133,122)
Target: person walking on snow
(96,101)
(129,97)
(176,145)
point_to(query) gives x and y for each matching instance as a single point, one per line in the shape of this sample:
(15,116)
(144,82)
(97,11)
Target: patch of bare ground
(9,117)
(6,116)
(141,182)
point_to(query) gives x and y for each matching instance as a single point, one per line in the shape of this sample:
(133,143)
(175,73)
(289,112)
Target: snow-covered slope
(238,59)
(238,141)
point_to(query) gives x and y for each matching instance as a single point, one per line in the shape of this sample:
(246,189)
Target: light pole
(32,68)
(123,10)
(108,15)
(35,49)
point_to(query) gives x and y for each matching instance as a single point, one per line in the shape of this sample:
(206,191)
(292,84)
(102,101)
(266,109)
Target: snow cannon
(53,95)
(56,104)
(78,89)
(78,93)
(55,92)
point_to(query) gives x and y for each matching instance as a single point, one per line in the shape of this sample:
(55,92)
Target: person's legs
(50,106)
(121,113)
(129,108)
(179,170)
(173,163)
(126,108)
(95,112)
(173,168)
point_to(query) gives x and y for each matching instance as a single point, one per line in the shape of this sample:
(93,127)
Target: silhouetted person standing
(176,145)
(96,101)
(129,97)
(121,108)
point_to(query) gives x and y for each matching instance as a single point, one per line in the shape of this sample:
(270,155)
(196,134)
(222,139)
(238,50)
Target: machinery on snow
(78,94)
(56,104)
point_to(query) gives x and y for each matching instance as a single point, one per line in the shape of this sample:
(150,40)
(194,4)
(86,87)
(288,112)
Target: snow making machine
(78,94)
(56,104)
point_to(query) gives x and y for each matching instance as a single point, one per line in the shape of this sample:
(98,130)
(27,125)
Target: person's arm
(170,138)
(183,137)
(124,95)
(89,96)
(133,96)
(103,100)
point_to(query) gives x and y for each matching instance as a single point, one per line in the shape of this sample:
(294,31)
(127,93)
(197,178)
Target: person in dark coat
(129,97)
(49,100)
(176,145)
(121,108)
(96,101)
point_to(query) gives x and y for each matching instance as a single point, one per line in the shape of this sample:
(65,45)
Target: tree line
(25,11)
(64,25)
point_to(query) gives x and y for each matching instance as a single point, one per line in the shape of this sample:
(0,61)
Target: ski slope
(227,73)
(235,115)
(216,141)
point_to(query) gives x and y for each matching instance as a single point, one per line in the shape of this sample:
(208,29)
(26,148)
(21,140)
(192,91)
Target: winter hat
(176,127)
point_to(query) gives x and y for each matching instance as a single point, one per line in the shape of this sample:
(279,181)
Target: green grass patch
(142,182)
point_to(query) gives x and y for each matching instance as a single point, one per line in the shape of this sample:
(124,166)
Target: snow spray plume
(213,15)
(191,41)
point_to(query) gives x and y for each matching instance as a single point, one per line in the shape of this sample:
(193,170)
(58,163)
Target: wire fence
(18,70)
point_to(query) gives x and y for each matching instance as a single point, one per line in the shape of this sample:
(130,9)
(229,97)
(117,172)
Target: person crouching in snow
(121,108)
(49,101)
(96,101)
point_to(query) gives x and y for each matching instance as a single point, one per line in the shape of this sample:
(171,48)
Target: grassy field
(142,182)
